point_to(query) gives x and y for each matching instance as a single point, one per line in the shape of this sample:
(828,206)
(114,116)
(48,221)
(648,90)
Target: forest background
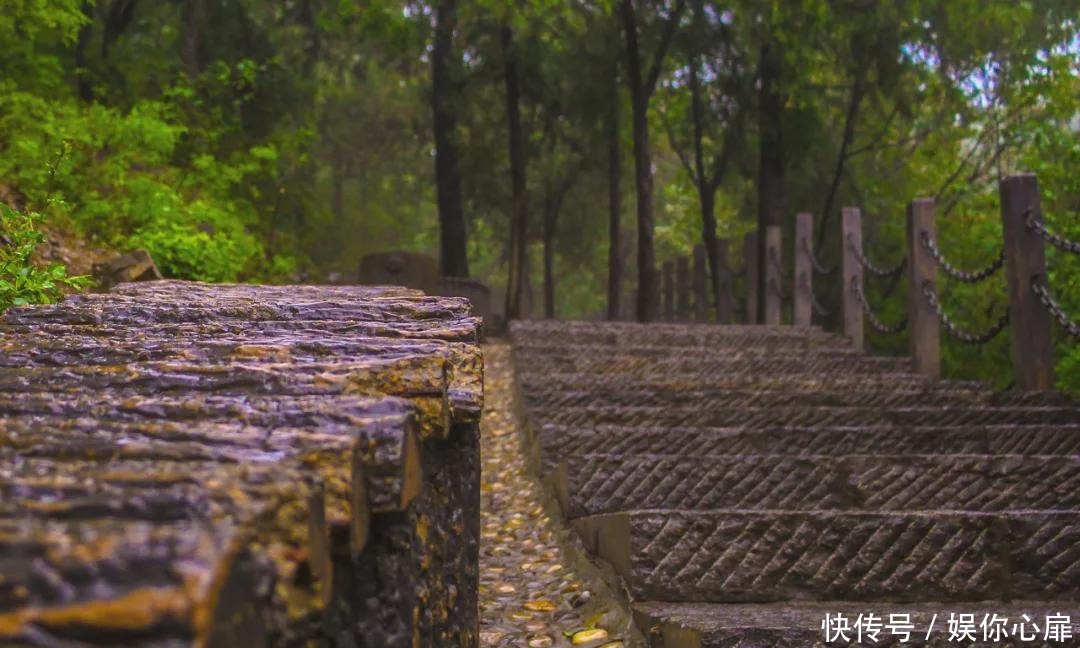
(547,148)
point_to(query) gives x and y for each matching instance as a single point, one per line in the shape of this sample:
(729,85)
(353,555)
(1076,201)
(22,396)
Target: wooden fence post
(1025,263)
(669,291)
(924,326)
(725,308)
(802,285)
(750,258)
(774,275)
(851,274)
(682,289)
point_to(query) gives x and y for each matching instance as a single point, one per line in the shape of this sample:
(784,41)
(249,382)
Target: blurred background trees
(281,141)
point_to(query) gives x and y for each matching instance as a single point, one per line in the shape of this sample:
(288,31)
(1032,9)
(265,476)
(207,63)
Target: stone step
(660,334)
(743,556)
(555,442)
(799,625)
(856,394)
(865,396)
(602,483)
(135,309)
(706,365)
(807,416)
(750,345)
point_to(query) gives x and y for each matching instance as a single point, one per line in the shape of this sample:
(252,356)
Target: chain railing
(1058,241)
(963,276)
(818,266)
(954,331)
(872,268)
(1071,328)
(875,321)
(815,305)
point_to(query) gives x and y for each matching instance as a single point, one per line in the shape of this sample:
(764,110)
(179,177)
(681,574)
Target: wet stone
(528,589)
(185,464)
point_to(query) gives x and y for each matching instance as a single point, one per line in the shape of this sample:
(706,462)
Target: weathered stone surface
(620,334)
(558,441)
(786,625)
(743,556)
(809,416)
(595,483)
(240,465)
(729,464)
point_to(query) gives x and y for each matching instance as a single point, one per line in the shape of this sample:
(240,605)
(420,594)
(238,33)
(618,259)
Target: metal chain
(873,269)
(819,267)
(962,276)
(1071,328)
(778,290)
(815,306)
(880,326)
(1053,239)
(775,261)
(958,333)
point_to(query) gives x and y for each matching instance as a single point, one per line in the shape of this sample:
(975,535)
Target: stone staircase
(744,482)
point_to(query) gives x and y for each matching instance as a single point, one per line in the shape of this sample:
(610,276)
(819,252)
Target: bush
(21,282)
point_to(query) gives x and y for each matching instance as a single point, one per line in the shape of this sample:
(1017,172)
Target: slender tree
(614,160)
(771,190)
(453,257)
(641,81)
(519,215)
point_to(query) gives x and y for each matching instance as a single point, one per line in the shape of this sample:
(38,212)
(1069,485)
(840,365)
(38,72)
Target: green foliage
(22,282)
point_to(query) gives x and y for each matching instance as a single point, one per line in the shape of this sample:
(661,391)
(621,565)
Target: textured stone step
(373,365)
(787,625)
(728,398)
(706,365)
(421,379)
(659,334)
(595,484)
(135,310)
(557,441)
(739,556)
(277,509)
(454,331)
(807,416)
(372,461)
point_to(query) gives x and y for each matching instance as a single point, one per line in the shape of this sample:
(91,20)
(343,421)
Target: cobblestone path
(530,595)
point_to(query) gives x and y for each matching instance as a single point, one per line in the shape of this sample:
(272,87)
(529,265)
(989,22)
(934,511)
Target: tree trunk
(614,203)
(706,184)
(453,258)
(841,158)
(519,216)
(82,74)
(189,38)
(771,197)
(643,186)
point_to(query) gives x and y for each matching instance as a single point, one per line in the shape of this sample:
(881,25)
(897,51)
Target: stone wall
(186,464)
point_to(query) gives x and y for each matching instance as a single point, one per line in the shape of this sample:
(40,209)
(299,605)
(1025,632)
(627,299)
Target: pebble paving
(530,595)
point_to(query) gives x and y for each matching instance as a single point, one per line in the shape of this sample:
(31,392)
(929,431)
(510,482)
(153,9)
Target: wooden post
(701,285)
(682,289)
(802,309)
(1025,262)
(774,278)
(750,258)
(669,291)
(851,274)
(725,308)
(924,326)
